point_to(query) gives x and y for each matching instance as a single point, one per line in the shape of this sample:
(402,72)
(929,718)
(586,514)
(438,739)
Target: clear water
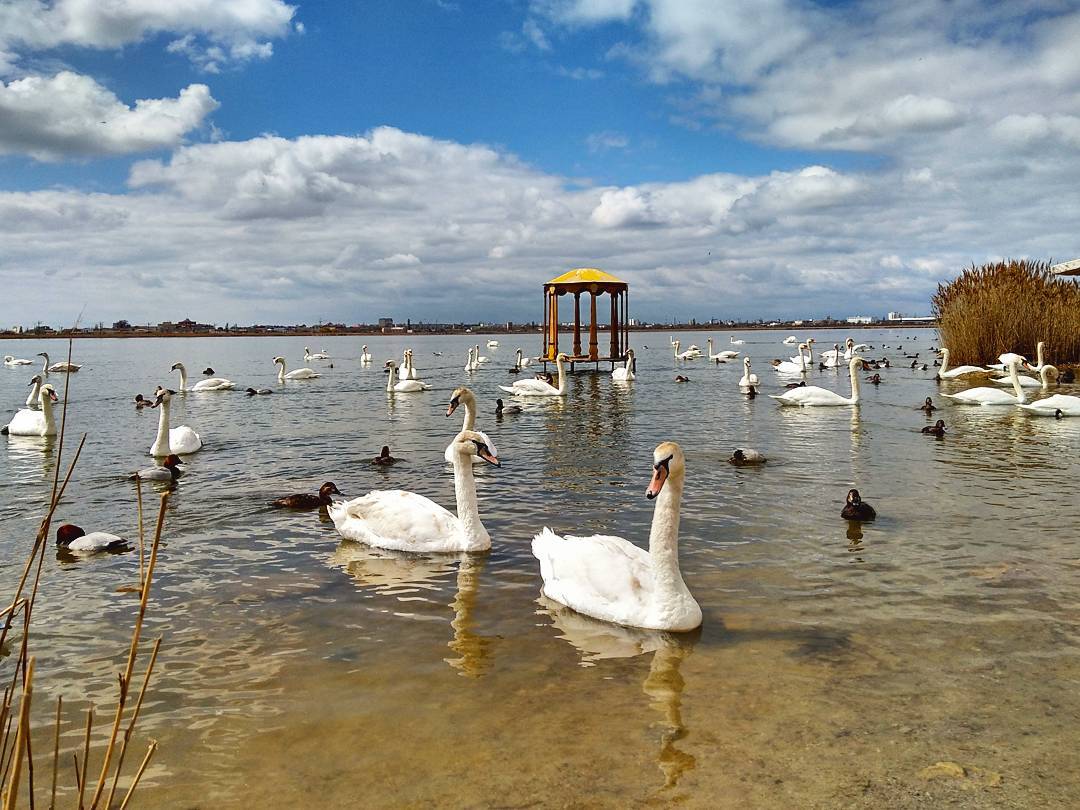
(834,664)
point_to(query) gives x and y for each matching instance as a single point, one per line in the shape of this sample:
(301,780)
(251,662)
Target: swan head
(856,363)
(280,360)
(668,461)
(177,367)
(460,395)
(68,534)
(1049,373)
(48,391)
(563,357)
(328,489)
(161,396)
(43,354)
(35,380)
(390,364)
(470,443)
(364,347)
(629,353)
(849,342)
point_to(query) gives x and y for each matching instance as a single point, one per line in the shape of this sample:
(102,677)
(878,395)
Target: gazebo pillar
(577,324)
(593,345)
(614,326)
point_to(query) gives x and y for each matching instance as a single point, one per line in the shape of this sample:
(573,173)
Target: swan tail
(508,389)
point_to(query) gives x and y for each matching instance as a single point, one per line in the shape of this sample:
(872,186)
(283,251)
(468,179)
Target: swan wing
(1025,381)
(984,396)
(811,395)
(399,520)
(1066,403)
(184,440)
(411,386)
(531,388)
(214,384)
(27,422)
(302,374)
(602,576)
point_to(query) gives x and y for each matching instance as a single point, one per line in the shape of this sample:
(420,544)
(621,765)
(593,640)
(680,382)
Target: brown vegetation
(1009,307)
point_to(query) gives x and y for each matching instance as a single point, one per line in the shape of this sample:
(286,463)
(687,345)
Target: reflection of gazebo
(596,283)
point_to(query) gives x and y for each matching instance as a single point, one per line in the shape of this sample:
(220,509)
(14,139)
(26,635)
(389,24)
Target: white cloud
(603,141)
(69,114)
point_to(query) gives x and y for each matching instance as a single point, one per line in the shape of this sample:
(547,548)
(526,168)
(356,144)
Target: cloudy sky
(259,161)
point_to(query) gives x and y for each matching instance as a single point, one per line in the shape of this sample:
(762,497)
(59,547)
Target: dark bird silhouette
(856,508)
(306,501)
(936,429)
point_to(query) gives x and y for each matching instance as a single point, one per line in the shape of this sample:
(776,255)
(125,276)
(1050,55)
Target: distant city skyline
(261,161)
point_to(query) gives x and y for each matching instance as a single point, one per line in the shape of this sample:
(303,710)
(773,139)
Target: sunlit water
(834,664)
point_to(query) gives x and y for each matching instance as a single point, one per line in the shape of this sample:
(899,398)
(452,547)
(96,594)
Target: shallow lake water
(835,663)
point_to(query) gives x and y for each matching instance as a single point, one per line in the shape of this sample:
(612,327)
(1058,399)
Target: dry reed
(15,752)
(1009,307)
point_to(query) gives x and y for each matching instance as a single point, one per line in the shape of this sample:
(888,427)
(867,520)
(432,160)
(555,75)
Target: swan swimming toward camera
(298,374)
(404,521)
(541,388)
(179,440)
(406,371)
(993,396)
(35,390)
(465,398)
(29,422)
(211,384)
(813,395)
(748,378)
(404,386)
(612,579)
(365,355)
(626,373)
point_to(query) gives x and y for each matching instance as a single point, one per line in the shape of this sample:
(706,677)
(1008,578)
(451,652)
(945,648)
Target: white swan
(365,355)
(541,388)
(35,389)
(813,395)
(626,373)
(1039,361)
(471,364)
(479,357)
(405,521)
(1046,374)
(1068,404)
(406,371)
(834,357)
(735,342)
(179,440)
(404,386)
(27,422)
(809,347)
(748,378)
(993,396)
(789,367)
(690,354)
(522,360)
(720,357)
(317,356)
(298,374)
(63,365)
(1004,359)
(610,578)
(211,384)
(790,340)
(946,373)
(493,344)
(11,360)
(465,398)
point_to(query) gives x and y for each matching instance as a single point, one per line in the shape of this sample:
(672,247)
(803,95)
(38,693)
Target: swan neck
(47,412)
(855,385)
(183,376)
(390,379)
(45,365)
(561,365)
(664,538)
(470,416)
(476,536)
(1021,398)
(281,370)
(32,401)
(944,362)
(161,443)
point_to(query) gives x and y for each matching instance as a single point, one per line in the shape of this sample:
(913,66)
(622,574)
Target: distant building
(860,319)
(899,316)
(386,323)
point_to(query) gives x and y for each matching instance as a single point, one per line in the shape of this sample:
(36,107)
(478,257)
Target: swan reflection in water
(597,640)
(403,575)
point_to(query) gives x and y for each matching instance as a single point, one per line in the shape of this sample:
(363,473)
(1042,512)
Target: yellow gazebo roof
(586,275)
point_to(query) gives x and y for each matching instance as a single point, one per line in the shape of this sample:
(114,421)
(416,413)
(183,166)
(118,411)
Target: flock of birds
(603,576)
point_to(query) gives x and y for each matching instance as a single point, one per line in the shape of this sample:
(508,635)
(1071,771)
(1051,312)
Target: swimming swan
(610,578)
(11,360)
(179,440)
(35,389)
(405,386)
(27,422)
(946,373)
(317,356)
(365,355)
(748,378)
(1066,403)
(406,371)
(63,365)
(720,357)
(471,364)
(298,374)
(541,388)
(993,396)
(211,384)
(788,367)
(626,373)
(813,395)
(1046,374)
(465,398)
(404,521)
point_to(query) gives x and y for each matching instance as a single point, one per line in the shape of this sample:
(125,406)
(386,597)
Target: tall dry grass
(1009,307)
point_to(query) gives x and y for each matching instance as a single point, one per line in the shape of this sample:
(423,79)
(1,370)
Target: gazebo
(595,283)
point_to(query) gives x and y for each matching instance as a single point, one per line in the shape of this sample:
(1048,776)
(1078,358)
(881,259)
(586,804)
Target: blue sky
(268,161)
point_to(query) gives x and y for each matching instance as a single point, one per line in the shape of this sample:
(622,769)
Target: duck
(1058,405)
(465,399)
(180,440)
(679,378)
(405,521)
(11,360)
(384,459)
(298,374)
(799,384)
(258,391)
(212,384)
(308,356)
(748,378)
(365,355)
(626,373)
(142,402)
(1068,377)
(541,388)
(936,429)
(813,395)
(63,365)
(928,406)
(70,537)
(506,410)
(168,471)
(874,379)
(751,392)
(984,395)
(40,422)
(856,508)
(1046,374)
(404,386)
(611,579)
(208,372)
(745,457)
(305,500)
